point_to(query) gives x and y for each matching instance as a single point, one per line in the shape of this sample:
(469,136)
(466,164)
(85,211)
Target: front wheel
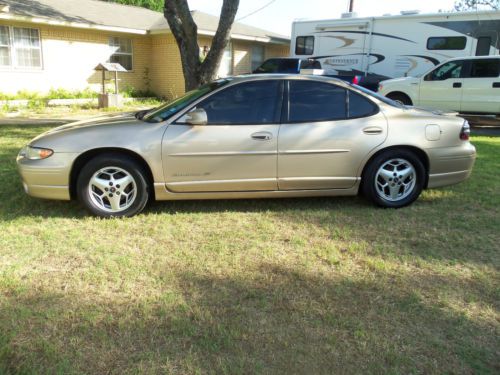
(112,185)
(394,179)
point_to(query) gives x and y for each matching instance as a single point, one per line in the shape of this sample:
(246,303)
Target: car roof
(474,57)
(283,76)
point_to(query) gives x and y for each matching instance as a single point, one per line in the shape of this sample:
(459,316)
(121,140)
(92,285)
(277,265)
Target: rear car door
(236,150)
(481,86)
(326,133)
(442,87)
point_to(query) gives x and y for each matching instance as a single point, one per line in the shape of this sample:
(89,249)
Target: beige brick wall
(69,56)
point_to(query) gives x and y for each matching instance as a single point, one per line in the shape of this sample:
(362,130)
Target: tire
(99,189)
(401,98)
(394,179)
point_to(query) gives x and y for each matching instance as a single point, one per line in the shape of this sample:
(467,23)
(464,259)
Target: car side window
(244,104)
(311,101)
(270,66)
(487,68)
(451,69)
(359,106)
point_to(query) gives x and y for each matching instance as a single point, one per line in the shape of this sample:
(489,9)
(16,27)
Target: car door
(327,132)
(235,150)
(442,87)
(481,86)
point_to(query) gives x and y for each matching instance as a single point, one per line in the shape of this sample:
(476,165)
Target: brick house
(57,43)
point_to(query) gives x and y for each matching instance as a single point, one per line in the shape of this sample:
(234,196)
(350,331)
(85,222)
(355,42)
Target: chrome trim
(226,153)
(303,152)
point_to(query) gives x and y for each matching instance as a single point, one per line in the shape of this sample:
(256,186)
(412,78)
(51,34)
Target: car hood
(109,120)
(400,80)
(104,131)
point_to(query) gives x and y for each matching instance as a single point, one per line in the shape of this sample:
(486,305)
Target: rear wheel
(394,179)
(113,185)
(400,98)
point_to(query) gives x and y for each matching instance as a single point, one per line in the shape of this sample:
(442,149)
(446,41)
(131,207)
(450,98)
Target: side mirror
(196,117)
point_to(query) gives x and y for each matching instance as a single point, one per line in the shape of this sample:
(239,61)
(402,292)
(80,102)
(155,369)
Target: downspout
(370,36)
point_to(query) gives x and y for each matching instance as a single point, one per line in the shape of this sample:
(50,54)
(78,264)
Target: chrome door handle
(262,136)
(372,130)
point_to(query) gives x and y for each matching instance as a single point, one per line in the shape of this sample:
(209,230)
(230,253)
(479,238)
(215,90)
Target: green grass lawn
(312,286)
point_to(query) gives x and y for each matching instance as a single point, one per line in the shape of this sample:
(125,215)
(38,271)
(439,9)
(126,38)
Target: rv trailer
(377,48)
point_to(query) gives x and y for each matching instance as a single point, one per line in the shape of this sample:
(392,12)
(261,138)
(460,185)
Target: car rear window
(485,68)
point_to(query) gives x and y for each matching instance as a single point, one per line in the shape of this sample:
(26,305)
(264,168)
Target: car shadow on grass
(269,320)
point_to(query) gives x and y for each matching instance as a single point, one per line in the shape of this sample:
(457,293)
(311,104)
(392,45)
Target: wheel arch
(85,157)
(421,154)
(400,93)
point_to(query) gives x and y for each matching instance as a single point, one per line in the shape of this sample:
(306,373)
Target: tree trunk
(185,32)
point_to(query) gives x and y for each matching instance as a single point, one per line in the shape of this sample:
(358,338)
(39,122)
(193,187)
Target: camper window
(304,45)
(446,43)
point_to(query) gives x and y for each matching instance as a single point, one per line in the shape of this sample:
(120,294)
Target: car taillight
(355,80)
(465,132)
(380,86)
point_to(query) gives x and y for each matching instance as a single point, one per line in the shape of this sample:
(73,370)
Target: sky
(278,16)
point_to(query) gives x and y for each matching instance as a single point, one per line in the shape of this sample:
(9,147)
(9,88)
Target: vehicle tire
(400,98)
(394,179)
(113,185)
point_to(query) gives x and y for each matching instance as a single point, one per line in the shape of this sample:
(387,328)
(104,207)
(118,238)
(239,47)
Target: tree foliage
(150,4)
(185,31)
(461,5)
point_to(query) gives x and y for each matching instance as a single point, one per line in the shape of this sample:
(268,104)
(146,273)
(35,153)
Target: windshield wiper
(140,115)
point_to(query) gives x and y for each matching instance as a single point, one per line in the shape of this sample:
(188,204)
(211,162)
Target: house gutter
(233,36)
(77,25)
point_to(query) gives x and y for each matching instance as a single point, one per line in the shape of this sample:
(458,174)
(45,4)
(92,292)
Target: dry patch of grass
(254,286)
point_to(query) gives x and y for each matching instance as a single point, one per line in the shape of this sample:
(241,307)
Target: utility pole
(351,5)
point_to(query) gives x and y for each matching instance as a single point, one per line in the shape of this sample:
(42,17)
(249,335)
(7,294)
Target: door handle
(262,136)
(496,85)
(457,84)
(372,130)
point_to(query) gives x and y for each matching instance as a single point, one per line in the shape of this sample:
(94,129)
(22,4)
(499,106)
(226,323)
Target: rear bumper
(452,166)
(48,178)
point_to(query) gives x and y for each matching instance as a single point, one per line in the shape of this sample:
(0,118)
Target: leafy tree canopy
(150,4)
(461,5)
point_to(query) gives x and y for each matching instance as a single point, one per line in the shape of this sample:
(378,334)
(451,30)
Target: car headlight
(35,153)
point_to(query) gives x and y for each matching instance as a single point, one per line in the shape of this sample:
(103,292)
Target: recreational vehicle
(410,44)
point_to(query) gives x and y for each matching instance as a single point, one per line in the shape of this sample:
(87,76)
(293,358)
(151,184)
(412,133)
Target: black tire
(373,189)
(401,98)
(138,189)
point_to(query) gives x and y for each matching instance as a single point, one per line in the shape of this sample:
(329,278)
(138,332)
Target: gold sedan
(258,136)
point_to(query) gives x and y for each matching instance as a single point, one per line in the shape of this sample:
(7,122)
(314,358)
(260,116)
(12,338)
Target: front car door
(442,87)
(236,150)
(481,86)
(328,130)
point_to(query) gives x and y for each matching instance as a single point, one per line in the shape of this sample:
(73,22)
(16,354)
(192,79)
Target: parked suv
(287,65)
(467,85)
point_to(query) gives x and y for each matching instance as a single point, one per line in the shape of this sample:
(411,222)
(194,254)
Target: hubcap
(395,180)
(112,189)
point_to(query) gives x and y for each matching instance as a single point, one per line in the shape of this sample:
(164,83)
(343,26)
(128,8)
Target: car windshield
(378,96)
(167,110)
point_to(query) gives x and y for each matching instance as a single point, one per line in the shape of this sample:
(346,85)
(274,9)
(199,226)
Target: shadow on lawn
(273,320)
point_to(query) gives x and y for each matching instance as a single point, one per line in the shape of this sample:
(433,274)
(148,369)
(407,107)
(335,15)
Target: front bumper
(450,165)
(47,178)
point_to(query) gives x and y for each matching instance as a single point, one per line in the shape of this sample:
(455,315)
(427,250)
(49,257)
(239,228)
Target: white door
(481,86)
(442,88)
(226,64)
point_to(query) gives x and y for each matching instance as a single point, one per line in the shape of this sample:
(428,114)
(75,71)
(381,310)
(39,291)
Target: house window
(257,56)
(121,51)
(447,43)
(4,46)
(304,45)
(20,47)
